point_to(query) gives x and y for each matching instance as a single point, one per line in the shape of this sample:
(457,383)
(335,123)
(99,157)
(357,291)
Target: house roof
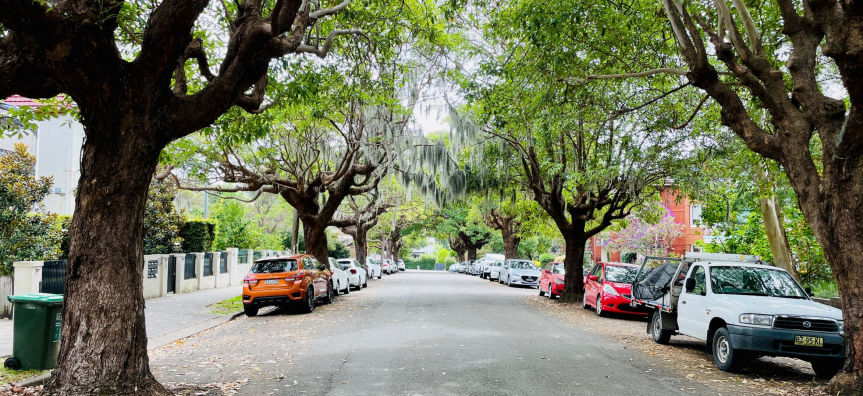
(20,101)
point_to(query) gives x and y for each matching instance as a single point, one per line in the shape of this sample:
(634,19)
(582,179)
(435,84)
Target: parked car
(473,267)
(357,276)
(487,262)
(340,278)
(375,269)
(551,280)
(389,267)
(608,288)
(462,267)
(453,267)
(281,281)
(741,308)
(520,273)
(401,265)
(494,271)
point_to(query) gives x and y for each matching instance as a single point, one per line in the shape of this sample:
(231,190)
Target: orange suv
(279,281)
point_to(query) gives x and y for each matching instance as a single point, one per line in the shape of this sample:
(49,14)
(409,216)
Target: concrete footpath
(169,318)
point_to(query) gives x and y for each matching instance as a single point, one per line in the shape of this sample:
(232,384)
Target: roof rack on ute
(691,257)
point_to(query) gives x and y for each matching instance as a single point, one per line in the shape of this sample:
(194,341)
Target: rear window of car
(345,266)
(273,266)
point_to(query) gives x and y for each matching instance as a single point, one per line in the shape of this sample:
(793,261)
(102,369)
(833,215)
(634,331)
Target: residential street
(418,333)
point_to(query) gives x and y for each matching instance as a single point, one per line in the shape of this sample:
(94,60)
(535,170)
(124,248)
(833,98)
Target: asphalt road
(418,333)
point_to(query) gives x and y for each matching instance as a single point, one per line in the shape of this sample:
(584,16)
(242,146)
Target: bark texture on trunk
(844,251)
(103,349)
(510,230)
(316,238)
(573,263)
(471,254)
(510,246)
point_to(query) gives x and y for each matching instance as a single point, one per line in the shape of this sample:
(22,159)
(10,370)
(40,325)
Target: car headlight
(558,281)
(609,290)
(756,319)
(841,324)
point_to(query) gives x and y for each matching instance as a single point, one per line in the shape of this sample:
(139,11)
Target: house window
(695,215)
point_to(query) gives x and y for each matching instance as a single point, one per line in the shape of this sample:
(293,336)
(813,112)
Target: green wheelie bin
(36,331)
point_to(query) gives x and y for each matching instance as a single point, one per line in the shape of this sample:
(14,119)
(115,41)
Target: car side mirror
(593,278)
(690,284)
(808,291)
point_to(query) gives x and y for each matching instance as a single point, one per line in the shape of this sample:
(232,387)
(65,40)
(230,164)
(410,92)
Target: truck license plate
(274,281)
(809,341)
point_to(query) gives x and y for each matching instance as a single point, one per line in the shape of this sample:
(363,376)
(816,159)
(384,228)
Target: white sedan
(355,272)
(374,268)
(340,278)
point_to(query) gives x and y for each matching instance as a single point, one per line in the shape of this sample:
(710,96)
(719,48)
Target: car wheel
(551,295)
(724,356)
(335,288)
(330,297)
(12,363)
(250,311)
(309,303)
(598,306)
(584,303)
(660,336)
(365,282)
(348,288)
(541,293)
(827,368)
(508,281)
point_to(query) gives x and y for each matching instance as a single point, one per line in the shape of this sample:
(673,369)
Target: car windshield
(498,264)
(618,274)
(754,281)
(522,265)
(272,266)
(558,269)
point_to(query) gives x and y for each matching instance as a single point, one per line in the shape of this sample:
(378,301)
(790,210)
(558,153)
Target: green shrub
(545,258)
(198,235)
(629,257)
(425,262)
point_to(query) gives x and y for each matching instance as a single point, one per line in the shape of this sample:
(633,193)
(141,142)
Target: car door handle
(683,302)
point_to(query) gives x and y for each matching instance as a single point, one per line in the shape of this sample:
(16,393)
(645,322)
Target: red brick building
(684,212)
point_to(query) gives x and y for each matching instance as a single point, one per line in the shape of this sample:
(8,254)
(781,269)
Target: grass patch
(229,306)
(7,376)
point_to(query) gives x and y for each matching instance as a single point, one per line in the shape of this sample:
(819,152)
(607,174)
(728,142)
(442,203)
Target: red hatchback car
(608,288)
(551,280)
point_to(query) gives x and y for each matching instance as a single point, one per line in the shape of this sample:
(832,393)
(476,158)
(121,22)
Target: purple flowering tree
(647,239)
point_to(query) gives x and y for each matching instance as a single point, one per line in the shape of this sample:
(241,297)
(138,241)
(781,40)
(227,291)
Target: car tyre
(508,281)
(330,297)
(250,311)
(541,293)
(584,303)
(598,307)
(660,336)
(12,363)
(365,282)
(347,289)
(551,295)
(724,356)
(308,305)
(827,368)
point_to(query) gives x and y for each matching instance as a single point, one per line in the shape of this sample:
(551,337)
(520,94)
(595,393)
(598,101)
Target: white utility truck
(741,307)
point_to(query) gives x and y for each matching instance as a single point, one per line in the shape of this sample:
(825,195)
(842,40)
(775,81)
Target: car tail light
(353,271)
(249,281)
(294,277)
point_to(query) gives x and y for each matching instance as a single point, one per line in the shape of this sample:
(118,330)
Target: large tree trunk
(362,246)
(842,241)
(315,238)
(103,347)
(573,263)
(471,253)
(510,244)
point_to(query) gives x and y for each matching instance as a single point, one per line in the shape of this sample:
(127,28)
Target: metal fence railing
(189,270)
(53,277)
(208,264)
